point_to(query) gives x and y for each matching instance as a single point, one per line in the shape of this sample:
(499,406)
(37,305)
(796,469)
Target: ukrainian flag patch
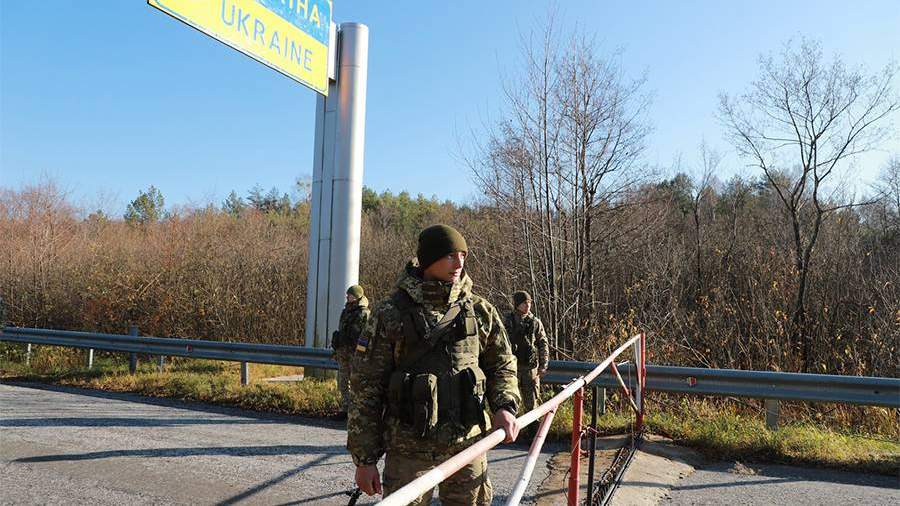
(362,344)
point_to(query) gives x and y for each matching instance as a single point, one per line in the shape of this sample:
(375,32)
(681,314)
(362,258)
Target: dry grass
(733,436)
(204,275)
(207,381)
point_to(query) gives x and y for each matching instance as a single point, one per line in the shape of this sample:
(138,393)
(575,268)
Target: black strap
(354,496)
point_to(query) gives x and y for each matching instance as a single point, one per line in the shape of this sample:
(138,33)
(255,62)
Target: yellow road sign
(291,36)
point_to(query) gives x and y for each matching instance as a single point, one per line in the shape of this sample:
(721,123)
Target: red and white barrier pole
(575,467)
(641,368)
(516,496)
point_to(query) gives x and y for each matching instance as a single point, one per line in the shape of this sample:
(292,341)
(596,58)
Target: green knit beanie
(520,297)
(437,241)
(356,291)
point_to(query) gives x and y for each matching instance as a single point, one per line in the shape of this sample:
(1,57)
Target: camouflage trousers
(468,486)
(530,388)
(344,357)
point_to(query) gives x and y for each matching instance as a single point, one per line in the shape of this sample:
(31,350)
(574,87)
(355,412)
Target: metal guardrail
(175,347)
(869,391)
(862,390)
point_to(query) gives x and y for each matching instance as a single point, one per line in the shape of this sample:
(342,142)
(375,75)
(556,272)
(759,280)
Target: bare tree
(802,120)
(603,136)
(559,167)
(516,167)
(701,194)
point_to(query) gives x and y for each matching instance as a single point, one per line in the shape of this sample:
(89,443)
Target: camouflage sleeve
(373,362)
(497,361)
(543,346)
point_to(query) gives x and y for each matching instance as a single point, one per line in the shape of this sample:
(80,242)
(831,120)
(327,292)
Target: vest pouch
(424,403)
(466,326)
(526,356)
(528,328)
(471,383)
(399,396)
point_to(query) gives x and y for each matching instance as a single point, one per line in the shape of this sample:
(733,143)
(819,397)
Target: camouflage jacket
(353,320)
(371,428)
(528,340)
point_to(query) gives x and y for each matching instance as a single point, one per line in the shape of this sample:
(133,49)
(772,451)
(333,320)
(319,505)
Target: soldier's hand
(505,420)
(368,480)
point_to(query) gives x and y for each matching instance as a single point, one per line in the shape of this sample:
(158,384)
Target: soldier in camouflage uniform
(431,366)
(529,345)
(343,341)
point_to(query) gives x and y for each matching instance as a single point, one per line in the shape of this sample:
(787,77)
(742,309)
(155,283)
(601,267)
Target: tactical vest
(521,336)
(438,382)
(342,337)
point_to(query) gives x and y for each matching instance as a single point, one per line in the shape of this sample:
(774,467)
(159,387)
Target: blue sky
(107,98)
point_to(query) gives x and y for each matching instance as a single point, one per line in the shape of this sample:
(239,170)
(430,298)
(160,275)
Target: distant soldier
(433,372)
(353,319)
(529,345)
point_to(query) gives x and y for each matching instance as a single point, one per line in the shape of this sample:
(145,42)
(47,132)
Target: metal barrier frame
(412,490)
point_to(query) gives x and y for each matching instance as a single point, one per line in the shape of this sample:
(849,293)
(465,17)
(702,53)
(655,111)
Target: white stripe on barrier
(525,476)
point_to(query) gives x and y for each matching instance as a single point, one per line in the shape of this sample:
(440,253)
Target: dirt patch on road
(554,488)
(656,467)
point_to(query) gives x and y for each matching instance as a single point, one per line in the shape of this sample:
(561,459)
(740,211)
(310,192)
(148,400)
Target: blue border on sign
(299,13)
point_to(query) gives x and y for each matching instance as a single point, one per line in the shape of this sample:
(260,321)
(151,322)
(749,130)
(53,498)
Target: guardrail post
(28,355)
(245,373)
(575,467)
(132,359)
(90,358)
(772,409)
(161,363)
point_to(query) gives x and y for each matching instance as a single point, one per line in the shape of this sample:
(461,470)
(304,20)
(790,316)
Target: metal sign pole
(320,217)
(346,212)
(337,186)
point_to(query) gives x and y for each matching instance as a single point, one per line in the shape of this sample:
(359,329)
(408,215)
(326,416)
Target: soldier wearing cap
(529,345)
(353,318)
(433,372)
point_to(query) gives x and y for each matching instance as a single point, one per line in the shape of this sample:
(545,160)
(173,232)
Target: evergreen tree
(146,208)
(234,205)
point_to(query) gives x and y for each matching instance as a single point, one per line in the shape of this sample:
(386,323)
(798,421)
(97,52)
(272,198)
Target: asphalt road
(728,483)
(70,446)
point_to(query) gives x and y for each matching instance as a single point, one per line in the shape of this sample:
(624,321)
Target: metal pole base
(319,374)
(133,358)
(772,410)
(245,373)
